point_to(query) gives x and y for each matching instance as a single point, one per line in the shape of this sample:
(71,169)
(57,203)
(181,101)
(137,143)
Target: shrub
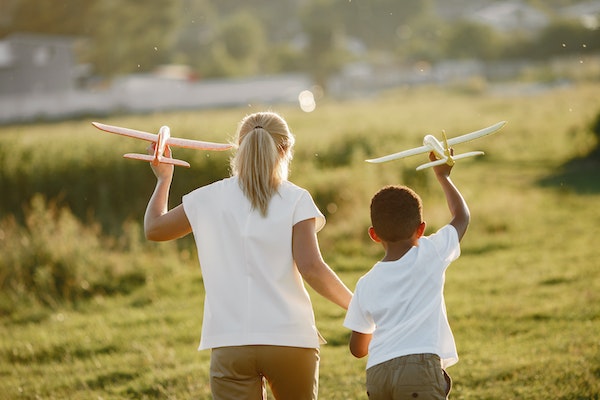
(56,259)
(595,128)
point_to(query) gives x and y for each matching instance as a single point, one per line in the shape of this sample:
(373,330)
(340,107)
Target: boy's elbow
(358,353)
(461,223)
(359,344)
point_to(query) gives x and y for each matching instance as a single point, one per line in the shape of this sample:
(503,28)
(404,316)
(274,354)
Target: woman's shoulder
(287,187)
(215,187)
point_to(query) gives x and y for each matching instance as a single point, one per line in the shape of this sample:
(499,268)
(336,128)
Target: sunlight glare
(307,101)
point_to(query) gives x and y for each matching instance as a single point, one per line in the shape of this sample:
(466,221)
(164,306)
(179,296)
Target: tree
(420,38)
(472,40)
(377,22)
(236,47)
(322,27)
(564,37)
(128,36)
(198,21)
(67,17)
(595,128)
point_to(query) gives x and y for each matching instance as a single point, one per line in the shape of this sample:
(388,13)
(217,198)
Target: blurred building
(509,16)
(37,64)
(588,13)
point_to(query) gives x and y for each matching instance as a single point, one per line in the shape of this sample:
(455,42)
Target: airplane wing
(477,134)
(424,149)
(454,158)
(432,164)
(126,132)
(150,158)
(173,141)
(197,144)
(402,154)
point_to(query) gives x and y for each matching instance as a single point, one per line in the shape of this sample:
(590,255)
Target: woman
(256,238)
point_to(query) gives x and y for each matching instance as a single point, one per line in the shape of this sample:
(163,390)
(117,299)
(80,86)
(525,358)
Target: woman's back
(256,239)
(254,293)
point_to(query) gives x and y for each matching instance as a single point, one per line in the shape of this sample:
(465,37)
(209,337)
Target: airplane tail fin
(469,154)
(443,161)
(150,158)
(431,164)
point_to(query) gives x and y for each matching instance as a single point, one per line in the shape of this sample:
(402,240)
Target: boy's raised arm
(461,215)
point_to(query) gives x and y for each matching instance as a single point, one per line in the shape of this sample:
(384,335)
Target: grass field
(523,300)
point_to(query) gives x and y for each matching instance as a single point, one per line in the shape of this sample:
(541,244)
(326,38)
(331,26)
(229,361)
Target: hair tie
(258,126)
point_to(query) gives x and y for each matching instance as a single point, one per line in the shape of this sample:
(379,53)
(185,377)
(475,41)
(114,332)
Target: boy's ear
(421,229)
(373,235)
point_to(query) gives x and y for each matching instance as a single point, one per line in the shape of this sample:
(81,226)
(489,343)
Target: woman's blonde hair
(264,151)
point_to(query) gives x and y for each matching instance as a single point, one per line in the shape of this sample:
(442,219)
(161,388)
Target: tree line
(228,38)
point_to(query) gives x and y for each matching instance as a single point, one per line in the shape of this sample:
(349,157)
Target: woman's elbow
(309,269)
(152,237)
(165,233)
(152,234)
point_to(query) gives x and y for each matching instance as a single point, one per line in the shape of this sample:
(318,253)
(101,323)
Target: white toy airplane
(162,140)
(442,149)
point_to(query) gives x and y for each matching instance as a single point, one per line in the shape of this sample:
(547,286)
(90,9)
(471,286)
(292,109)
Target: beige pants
(416,376)
(240,372)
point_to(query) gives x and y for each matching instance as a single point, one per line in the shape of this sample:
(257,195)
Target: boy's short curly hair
(396,213)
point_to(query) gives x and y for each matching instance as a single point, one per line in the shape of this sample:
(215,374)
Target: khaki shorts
(418,376)
(240,372)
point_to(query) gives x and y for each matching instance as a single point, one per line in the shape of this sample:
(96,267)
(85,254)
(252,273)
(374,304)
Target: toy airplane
(162,140)
(442,149)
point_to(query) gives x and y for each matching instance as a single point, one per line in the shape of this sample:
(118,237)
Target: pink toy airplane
(162,140)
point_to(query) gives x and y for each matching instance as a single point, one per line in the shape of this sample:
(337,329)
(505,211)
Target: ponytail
(262,159)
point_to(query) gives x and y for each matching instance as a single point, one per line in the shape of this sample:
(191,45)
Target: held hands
(162,171)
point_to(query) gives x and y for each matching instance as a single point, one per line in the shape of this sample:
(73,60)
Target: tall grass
(522,300)
(55,260)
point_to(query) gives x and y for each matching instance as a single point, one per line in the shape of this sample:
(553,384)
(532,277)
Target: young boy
(397,314)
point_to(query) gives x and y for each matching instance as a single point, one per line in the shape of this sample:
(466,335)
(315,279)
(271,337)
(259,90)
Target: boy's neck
(396,250)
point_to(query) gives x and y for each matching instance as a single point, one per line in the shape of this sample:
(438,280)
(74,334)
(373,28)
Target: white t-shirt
(402,302)
(254,292)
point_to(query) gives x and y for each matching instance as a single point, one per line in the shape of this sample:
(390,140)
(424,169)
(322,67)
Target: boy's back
(404,301)
(397,314)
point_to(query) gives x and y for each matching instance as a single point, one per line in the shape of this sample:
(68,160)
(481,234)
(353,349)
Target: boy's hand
(441,170)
